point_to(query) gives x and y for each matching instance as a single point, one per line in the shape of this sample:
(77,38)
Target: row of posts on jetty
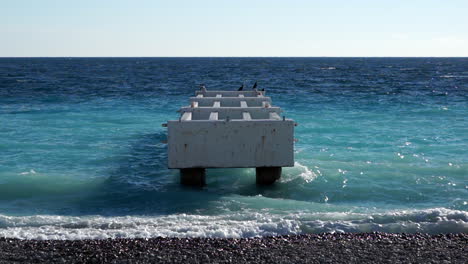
(241,88)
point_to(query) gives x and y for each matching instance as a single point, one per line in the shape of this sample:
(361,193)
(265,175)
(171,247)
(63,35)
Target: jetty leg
(267,175)
(193,176)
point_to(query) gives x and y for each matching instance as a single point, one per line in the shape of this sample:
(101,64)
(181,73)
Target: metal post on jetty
(230,129)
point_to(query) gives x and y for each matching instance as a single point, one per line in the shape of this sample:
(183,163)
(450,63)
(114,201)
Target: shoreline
(310,248)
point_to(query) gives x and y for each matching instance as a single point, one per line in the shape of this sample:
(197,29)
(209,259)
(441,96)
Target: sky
(233,28)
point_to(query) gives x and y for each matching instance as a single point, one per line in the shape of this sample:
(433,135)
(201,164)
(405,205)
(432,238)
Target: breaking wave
(235,225)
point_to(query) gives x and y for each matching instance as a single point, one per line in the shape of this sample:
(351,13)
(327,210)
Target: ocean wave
(453,76)
(299,171)
(236,225)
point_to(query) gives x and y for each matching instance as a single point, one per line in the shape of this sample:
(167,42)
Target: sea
(382,147)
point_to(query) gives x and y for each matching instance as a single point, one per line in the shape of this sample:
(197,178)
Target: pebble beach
(317,248)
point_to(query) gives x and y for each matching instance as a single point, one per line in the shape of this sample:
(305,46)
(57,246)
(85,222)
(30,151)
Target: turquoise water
(382,146)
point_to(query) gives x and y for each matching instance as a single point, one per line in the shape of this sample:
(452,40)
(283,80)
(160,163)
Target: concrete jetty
(230,129)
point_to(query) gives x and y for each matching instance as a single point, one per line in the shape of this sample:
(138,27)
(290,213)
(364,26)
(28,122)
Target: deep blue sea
(383,146)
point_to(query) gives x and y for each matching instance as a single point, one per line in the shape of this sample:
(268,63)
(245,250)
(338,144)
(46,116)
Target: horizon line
(13,57)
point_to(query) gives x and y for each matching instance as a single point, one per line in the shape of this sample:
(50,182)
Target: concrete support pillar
(193,177)
(267,175)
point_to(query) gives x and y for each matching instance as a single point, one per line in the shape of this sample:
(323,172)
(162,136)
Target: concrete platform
(230,129)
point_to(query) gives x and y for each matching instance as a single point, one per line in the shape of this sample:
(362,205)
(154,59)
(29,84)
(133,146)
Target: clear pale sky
(149,28)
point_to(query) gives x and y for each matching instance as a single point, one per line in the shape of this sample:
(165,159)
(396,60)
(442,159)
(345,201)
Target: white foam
(453,76)
(299,171)
(437,220)
(28,172)
(179,225)
(235,225)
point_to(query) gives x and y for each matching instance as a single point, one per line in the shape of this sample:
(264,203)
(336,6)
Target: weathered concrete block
(267,175)
(231,144)
(193,177)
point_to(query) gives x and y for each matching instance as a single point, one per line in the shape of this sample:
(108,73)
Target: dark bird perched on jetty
(254,86)
(203,87)
(241,88)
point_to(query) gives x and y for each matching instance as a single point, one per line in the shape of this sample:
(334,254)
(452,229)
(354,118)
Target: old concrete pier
(230,129)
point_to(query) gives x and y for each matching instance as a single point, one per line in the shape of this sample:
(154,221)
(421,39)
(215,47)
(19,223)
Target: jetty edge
(230,129)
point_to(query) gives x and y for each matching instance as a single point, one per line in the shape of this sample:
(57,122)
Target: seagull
(254,86)
(240,88)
